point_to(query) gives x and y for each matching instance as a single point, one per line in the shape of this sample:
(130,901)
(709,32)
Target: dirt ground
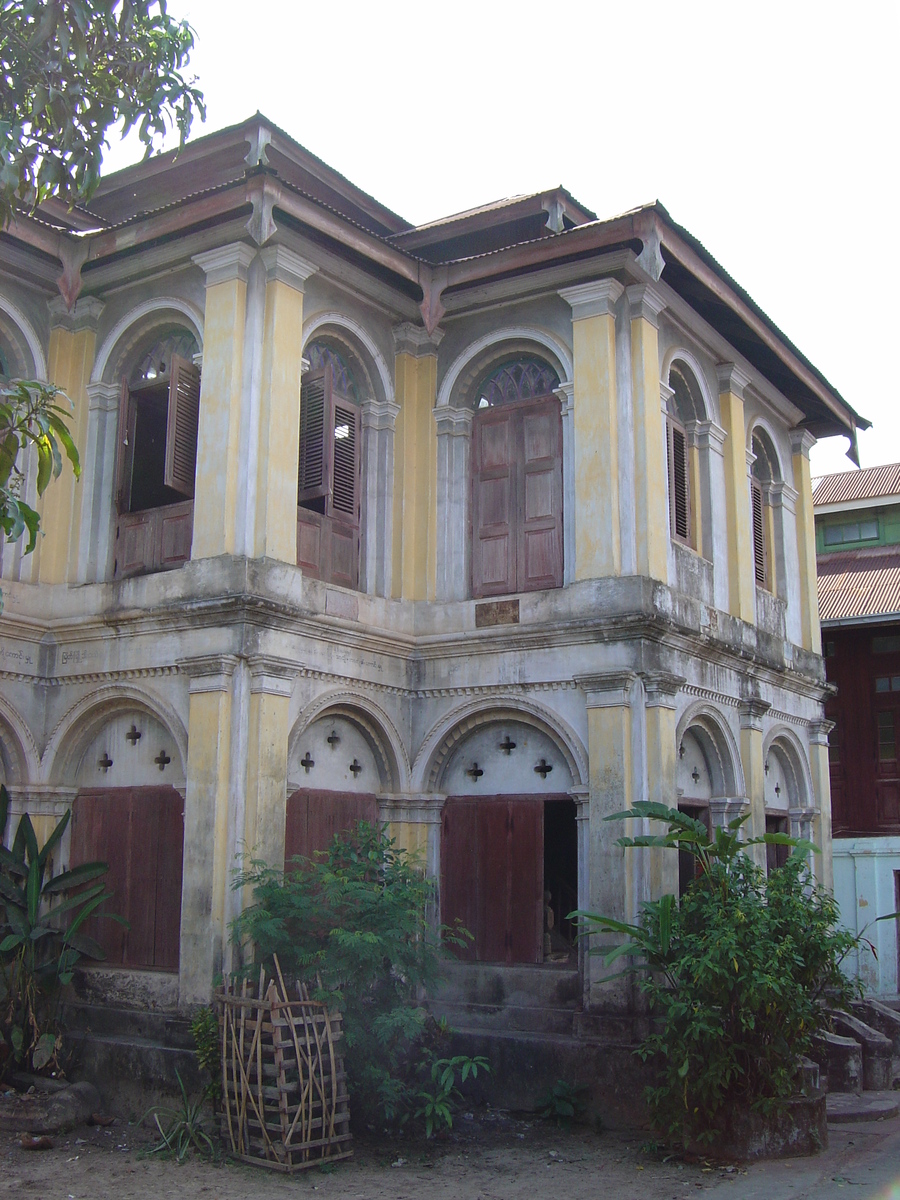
(488,1156)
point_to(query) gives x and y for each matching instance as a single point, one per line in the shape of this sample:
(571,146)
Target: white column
(376,535)
(454,438)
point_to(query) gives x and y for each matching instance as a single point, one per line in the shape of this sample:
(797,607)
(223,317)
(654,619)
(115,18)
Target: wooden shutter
(343,500)
(314,816)
(493,502)
(539,495)
(759,534)
(679,483)
(315,406)
(124,448)
(181,426)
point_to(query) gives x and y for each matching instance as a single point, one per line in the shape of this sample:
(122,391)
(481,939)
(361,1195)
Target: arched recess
(688,443)
(128,764)
(341,758)
(789,803)
(166,534)
(767,495)
(715,742)
(510,849)
(350,548)
(19,755)
(454,415)
(20,346)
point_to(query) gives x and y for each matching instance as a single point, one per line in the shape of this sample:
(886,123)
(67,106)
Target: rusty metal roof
(859,585)
(872,483)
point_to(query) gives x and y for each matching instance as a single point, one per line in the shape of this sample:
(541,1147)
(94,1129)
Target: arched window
(159,411)
(685,406)
(328,486)
(764,472)
(516,471)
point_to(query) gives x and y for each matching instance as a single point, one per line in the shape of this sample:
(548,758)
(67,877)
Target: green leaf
(76,876)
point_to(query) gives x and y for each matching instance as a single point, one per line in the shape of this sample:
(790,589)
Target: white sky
(769,130)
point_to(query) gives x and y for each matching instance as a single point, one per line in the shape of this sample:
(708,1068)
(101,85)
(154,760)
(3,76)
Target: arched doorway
(129,812)
(509,856)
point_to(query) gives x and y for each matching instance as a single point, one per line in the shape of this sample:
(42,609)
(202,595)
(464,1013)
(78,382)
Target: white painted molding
(709,434)
(340,321)
(529,333)
(607,691)
(645,302)
(597,299)
(26,329)
(225,263)
(565,394)
(415,340)
(84,315)
(454,422)
(802,441)
(285,266)
(731,379)
(157,308)
(677,354)
(103,397)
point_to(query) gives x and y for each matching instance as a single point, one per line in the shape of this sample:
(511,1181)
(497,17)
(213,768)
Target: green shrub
(735,973)
(353,924)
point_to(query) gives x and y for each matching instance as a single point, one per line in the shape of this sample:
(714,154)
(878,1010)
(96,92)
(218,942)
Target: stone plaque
(496,612)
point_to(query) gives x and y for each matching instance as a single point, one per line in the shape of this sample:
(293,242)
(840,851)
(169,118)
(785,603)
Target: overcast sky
(768,130)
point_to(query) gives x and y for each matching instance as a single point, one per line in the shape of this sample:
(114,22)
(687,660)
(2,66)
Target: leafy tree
(353,924)
(735,971)
(30,417)
(70,70)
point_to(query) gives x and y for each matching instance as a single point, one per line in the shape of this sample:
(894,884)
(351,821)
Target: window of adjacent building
(159,411)
(328,483)
(516,471)
(887,738)
(886,644)
(855,531)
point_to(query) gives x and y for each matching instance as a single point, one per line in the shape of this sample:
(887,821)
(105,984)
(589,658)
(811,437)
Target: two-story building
(486,528)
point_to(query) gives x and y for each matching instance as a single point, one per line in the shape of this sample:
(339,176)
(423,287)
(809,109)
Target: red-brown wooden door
(492,875)
(140,832)
(517,498)
(313,818)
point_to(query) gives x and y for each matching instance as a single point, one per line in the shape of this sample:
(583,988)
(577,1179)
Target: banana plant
(42,938)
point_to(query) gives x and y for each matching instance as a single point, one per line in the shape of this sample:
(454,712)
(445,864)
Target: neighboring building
(488,527)
(858,548)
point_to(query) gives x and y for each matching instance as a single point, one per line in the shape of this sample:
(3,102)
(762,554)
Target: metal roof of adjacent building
(859,585)
(872,483)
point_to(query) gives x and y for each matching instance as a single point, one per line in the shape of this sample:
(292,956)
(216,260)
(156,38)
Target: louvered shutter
(493,502)
(759,534)
(344,425)
(181,426)
(679,486)
(124,449)
(315,405)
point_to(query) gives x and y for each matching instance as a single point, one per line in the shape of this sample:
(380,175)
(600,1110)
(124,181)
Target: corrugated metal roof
(868,484)
(873,592)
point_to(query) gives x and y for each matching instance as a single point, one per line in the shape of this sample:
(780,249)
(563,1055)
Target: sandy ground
(490,1157)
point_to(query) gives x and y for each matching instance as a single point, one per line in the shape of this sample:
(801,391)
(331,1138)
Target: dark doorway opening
(560,878)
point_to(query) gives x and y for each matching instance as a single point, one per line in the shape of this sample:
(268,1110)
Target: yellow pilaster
(659,715)
(216,499)
(279,409)
(73,339)
(206,827)
(753,765)
(267,753)
(741,578)
(612,886)
(598,549)
(820,831)
(650,485)
(801,443)
(415,464)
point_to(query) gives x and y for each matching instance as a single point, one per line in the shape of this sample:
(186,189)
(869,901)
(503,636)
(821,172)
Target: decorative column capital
(665,395)
(285,266)
(819,731)
(565,394)
(752,713)
(225,263)
(379,414)
(611,690)
(272,676)
(645,302)
(662,687)
(103,397)
(707,435)
(597,299)
(731,379)
(453,422)
(802,441)
(209,672)
(416,341)
(85,314)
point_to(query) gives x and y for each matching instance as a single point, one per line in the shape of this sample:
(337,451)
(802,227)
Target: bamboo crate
(284,1093)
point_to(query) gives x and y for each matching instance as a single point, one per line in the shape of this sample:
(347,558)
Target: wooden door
(492,875)
(314,816)
(140,833)
(539,534)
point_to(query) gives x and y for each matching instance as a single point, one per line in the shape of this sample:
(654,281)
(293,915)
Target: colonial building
(858,544)
(487,528)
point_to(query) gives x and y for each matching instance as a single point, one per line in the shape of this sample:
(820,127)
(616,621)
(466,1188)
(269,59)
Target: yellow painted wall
(266,794)
(741,580)
(595,412)
(806,554)
(218,442)
(415,478)
(754,781)
(650,484)
(661,774)
(69,365)
(279,425)
(611,790)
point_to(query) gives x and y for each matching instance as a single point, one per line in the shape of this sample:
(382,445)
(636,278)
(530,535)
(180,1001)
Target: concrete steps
(494,998)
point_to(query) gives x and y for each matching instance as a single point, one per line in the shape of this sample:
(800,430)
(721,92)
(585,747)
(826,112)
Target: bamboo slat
(285,1103)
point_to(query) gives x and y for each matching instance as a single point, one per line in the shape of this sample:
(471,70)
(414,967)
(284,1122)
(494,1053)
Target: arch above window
(520,378)
(765,471)
(154,365)
(685,406)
